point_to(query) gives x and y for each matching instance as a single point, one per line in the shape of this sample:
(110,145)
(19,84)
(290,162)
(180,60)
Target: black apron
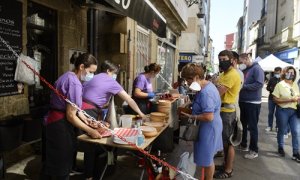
(59,144)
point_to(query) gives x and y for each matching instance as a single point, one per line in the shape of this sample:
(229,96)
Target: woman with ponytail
(142,89)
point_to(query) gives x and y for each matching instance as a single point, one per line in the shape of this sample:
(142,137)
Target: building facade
(53,31)
(276,32)
(229,40)
(193,44)
(252,9)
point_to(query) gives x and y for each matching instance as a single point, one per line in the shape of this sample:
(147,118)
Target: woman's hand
(295,99)
(93,133)
(144,117)
(186,114)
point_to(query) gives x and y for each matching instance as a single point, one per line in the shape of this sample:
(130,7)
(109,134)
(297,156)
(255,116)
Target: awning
(143,12)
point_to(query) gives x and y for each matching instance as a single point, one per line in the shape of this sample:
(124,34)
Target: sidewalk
(267,166)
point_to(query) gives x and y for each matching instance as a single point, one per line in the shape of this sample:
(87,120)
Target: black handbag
(191,131)
(298,110)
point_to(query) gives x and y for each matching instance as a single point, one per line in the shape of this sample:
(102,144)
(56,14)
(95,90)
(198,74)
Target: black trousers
(59,145)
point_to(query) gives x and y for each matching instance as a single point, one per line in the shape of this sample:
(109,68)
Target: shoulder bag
(191,130)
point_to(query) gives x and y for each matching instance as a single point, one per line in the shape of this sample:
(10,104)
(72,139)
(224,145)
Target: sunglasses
(292,92)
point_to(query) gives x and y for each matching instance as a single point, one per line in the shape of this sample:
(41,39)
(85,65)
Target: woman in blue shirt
(206,110)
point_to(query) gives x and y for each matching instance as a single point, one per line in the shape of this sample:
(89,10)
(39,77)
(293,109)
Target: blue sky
(224,17)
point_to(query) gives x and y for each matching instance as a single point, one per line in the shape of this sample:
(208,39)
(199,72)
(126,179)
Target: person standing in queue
(59,138)
(228,87)
(96,95)
(142,89)
(206,111)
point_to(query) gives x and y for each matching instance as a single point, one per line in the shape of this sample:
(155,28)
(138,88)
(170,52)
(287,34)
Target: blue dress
(210,133)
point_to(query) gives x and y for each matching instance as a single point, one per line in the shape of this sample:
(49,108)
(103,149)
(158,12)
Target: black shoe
(281,152)
(296,157)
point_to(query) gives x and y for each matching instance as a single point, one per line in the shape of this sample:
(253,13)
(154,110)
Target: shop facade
(53,31)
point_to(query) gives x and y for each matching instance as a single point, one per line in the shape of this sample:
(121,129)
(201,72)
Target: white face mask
(195,86)
(114,76)
(242,67)
(87,77)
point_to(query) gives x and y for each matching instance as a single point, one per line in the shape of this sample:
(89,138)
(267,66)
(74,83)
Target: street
(268,165)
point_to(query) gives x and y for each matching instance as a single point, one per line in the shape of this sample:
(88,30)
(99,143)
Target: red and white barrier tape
(92,118)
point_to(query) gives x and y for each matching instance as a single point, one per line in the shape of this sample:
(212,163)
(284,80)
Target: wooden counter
(108,141)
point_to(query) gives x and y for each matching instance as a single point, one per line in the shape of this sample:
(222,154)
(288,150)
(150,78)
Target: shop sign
(143,12)
(185,57)
(287,54)
(198,59)
(11,32)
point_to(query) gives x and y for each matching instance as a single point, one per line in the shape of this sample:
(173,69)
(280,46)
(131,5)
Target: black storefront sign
(141,12)
(11,32)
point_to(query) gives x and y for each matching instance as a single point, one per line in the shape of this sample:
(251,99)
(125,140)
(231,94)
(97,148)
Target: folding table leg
(103,172)
(142,174)
(2,167)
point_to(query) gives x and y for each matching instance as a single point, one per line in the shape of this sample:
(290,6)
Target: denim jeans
(249,118)
(285,117)
(271,107)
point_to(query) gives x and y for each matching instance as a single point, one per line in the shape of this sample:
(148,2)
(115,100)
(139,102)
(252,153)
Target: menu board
(11,32)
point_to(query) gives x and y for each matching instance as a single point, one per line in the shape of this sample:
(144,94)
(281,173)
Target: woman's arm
(139,93)
(207,117)
(75,121)
(283,100)
(123,95)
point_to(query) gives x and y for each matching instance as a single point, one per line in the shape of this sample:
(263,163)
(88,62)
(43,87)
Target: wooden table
(108,141)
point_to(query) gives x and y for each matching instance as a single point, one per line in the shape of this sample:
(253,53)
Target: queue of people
(246,89)
(217,106)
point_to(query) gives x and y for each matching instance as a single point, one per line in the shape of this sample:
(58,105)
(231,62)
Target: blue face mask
(114,76)
(87,77)
(277,75)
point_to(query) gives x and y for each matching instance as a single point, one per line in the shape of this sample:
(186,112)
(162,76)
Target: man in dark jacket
(271,104)
(250,103)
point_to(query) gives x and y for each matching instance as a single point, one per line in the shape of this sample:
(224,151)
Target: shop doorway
(42,46)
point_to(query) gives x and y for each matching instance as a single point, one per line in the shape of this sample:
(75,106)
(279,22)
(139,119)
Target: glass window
(166,60)
(142,53)
(42,46)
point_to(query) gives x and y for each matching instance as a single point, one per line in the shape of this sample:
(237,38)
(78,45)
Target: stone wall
(72,34)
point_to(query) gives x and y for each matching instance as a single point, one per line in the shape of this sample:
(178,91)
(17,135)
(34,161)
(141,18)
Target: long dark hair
(86,59)
(107,65)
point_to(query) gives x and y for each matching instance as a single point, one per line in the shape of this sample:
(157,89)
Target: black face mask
(224,65)
(289,76)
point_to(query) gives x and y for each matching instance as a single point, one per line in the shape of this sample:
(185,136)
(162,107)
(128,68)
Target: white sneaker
(268,129)
(251,155)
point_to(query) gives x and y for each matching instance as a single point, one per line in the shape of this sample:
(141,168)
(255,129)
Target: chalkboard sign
(11,32)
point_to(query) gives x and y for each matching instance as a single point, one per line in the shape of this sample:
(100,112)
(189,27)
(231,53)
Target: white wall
(252,13)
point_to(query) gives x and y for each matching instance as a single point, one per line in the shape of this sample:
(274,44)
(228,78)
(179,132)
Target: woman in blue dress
(205,110)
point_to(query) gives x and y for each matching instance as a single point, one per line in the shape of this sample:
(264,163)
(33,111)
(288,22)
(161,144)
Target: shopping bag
(236,137)
(23,73)
(186,164)
(191,131)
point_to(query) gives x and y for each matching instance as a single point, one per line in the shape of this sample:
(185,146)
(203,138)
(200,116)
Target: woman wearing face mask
(142,89)
(96,95)
(59,140)
(286,96)
(206,110)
